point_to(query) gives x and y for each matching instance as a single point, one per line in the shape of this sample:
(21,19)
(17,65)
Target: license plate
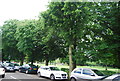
(64,77)
(34,68)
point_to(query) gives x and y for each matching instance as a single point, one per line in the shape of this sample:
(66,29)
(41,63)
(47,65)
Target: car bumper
(32,71)
(10,70)
(60,78)
(2,74)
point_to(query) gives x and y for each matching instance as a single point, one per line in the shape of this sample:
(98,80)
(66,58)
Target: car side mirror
(92,75)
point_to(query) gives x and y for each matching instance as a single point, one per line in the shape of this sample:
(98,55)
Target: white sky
(21,9)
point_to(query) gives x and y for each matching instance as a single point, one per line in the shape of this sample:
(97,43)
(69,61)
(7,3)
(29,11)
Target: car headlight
(8,68)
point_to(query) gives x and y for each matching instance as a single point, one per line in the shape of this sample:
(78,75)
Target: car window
(12,65)
(31,65)
(78,71)
(98,72)
(16,64)
(23,65)
(1,66)
(116,79)
(46,68)
(6,64)
(55,68)
(87,72)
(27,65)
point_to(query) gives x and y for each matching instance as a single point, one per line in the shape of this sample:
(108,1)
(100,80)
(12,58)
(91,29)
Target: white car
(16,66)
(52,72)
(85,74)
(2,71)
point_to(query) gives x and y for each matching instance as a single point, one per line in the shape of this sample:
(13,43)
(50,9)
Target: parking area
(17,76)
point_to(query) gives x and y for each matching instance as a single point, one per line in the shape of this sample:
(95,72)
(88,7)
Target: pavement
(17,76)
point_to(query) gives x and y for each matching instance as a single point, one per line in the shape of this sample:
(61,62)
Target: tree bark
(46,62)
(32,62)
(74,64)
(21,62)
(106,67)
(70,59)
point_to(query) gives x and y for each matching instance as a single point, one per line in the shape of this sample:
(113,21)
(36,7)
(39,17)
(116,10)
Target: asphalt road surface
(17,76)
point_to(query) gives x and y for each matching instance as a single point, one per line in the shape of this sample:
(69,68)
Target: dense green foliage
(77,32)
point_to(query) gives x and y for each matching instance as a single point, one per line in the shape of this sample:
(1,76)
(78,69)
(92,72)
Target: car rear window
(98,72)
(16,64)
(54,68)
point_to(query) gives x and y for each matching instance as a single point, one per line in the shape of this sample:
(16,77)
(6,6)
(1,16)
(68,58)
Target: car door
(48,72)
(43,71)
(27,66)
(77,74)
(22,68)
(87,74)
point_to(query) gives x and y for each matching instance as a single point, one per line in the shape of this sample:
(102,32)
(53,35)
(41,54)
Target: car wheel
(20,70)
(52,77)
(39,74)
(3,76)
(72,79)
(26,71)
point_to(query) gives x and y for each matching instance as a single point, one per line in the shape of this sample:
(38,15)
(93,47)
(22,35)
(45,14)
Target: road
(17,76)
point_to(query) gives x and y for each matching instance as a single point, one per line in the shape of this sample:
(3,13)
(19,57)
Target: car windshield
(55,68)
(32,65)
(98,72)
(12,65)
(16,64)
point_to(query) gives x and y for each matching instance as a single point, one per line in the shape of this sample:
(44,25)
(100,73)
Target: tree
(9,48)
(69,20)
(52,43)
(26,35)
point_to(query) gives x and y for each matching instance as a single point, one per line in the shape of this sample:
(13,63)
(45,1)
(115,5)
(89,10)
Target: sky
(21,9)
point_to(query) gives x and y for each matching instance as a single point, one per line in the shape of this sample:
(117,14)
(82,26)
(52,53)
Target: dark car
(28,68)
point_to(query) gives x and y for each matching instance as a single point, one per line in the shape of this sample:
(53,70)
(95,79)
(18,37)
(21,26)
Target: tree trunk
(32,62)
(21,58)
(46,62)
(74,64)
(9,60)
(21,62)
(70,59)
(106,67)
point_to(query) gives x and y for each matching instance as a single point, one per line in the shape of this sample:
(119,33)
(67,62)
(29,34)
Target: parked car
(16,66)
(9,67)
(114,77)
(2,71)
(28,68)
(52,72)
(85,74)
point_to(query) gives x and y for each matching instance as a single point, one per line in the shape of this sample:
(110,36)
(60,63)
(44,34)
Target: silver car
(85,74)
